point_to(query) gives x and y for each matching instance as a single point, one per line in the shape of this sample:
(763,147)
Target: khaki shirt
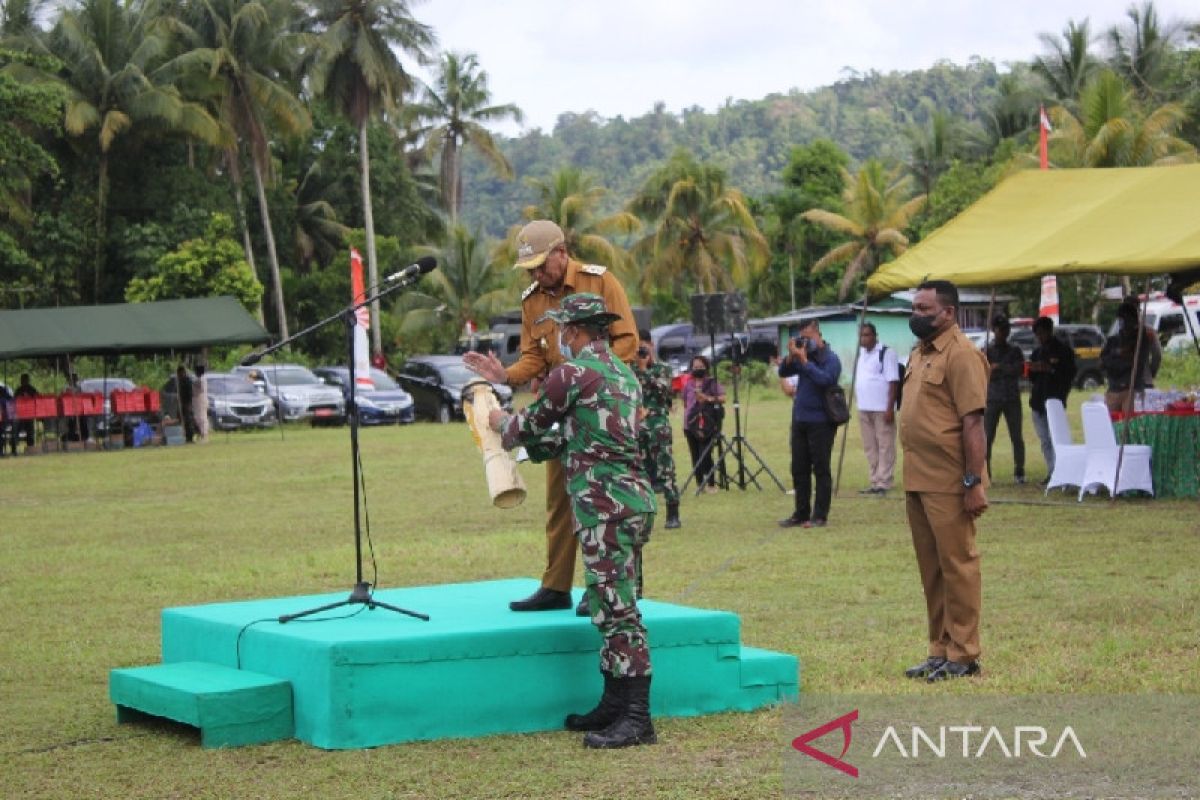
(945,380)
(539,340)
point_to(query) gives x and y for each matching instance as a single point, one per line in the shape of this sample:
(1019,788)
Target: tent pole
(862,317)
(1127,406)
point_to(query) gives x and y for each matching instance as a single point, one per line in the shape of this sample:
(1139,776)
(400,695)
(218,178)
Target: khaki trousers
(560,530)
(944,540)
(879,442)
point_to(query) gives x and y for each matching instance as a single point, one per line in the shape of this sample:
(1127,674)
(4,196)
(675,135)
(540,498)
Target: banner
(1048,305)
(362,364)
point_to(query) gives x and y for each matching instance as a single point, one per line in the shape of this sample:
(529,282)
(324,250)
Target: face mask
(922,326)
(699,372)
(564,348)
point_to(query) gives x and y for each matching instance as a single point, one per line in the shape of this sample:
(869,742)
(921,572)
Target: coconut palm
(1141,49)
(700,228)
(1112,130)
(572,199)
(237,46)
(455,110)
(934,146)
(1013,110)
(879,206)
(318,235)
(355,65)
(110,50)
(1067,64)
(468,286)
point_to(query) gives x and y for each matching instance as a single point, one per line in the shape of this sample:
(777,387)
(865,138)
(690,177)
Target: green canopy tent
(1136,221)
(127,328)
(1130,221)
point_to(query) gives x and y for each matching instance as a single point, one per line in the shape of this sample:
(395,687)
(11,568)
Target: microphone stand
(361,593)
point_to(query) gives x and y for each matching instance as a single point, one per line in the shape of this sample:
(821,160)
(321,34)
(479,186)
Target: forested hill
(865,114)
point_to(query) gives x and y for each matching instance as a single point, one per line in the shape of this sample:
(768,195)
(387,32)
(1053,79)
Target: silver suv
(298,393)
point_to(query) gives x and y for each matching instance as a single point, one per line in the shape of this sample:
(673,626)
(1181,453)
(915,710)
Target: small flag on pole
(1043,138)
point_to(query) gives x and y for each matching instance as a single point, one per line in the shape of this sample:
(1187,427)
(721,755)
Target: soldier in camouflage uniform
(655,437)
(594,398)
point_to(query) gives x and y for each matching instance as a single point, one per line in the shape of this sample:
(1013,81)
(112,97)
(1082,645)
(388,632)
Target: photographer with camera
(815,367)
(654,436)
(703,412)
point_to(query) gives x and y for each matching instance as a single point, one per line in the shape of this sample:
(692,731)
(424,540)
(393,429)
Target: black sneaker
(925,668)
(953,669)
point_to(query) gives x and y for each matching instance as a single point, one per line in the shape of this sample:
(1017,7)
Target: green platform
(231,707)
(476,668)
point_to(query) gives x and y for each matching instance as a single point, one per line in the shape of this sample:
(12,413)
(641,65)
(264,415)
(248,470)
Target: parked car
(386,403)
(234,402)
(1085,340)
(297,393)
(106,386)
(1180,343)
(435,383)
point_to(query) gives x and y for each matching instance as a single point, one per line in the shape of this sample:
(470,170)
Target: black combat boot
(606,711)
(633,726)
(672,515)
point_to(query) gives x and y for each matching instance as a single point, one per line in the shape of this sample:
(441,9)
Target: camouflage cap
(535,241)
(580,309)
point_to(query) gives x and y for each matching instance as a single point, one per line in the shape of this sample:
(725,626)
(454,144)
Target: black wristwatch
(970,481)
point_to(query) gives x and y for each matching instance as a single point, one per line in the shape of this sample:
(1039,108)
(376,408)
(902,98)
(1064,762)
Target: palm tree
(110,50)
(237,46)
(318,235)
(701,228)
(1014,109)
(571,198)
(1140,51)
(1113,131)
(934,146)
(456,109)
(1067,65)
(467,286)
(355,64)
(878,209)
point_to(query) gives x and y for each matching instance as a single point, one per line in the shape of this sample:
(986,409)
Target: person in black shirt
(1051,370)
(1004,395)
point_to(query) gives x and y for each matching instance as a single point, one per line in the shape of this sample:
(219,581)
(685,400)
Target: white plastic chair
(1070,459)
(1102,454)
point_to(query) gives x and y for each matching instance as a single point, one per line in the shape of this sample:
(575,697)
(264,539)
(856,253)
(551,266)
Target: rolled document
(503,479)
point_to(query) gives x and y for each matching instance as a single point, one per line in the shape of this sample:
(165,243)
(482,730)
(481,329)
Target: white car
(1180,343)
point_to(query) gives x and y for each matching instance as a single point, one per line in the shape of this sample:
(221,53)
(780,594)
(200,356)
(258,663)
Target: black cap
(1000,321)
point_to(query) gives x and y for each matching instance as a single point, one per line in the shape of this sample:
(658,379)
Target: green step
(231,707)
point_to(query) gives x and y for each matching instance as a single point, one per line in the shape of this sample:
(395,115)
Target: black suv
(1085,340)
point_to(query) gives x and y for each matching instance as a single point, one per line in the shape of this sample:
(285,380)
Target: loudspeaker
(722,312)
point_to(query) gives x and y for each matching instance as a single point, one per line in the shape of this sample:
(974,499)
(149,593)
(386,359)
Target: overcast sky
(618,57)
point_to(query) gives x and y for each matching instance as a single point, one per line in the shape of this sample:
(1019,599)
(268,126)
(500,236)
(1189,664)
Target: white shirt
(874,375)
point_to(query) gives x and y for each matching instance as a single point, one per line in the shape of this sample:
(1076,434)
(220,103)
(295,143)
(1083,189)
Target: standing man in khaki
(945,475)
(542,249)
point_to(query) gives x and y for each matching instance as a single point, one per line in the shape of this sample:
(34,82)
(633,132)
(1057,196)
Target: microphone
(251,359)
(423,265)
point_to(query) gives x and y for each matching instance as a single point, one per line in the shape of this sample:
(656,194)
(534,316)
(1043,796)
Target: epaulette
(529,291)
(593,269)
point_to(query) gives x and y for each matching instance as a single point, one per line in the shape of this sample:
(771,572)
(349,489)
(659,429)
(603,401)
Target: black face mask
(699,373)
(922,326)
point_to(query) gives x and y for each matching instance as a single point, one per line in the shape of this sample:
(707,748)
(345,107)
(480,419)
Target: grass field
(1090,598)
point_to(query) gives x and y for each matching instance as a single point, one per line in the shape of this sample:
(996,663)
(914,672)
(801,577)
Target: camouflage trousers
(612,568)
(654,446)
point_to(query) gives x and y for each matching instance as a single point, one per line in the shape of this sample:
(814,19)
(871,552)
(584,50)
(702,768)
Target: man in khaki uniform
(945,475)
(542,249)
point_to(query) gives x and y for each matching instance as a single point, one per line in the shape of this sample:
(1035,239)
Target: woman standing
(703,410)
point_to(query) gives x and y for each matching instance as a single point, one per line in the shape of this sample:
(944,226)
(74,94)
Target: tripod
(738,447)
(361,593)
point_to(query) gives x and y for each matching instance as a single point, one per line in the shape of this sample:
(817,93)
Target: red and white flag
(362,364)
(1043,138)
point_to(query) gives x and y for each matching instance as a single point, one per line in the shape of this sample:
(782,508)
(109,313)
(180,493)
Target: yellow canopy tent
(1138,221)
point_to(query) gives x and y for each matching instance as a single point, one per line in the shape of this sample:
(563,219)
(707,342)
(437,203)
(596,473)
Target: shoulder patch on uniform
(525,294)
(593,269)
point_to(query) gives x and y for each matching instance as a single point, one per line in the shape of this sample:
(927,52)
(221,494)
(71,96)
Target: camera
(801,342)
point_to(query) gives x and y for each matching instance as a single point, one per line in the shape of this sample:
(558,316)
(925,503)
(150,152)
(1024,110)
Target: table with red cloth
(1174,439)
